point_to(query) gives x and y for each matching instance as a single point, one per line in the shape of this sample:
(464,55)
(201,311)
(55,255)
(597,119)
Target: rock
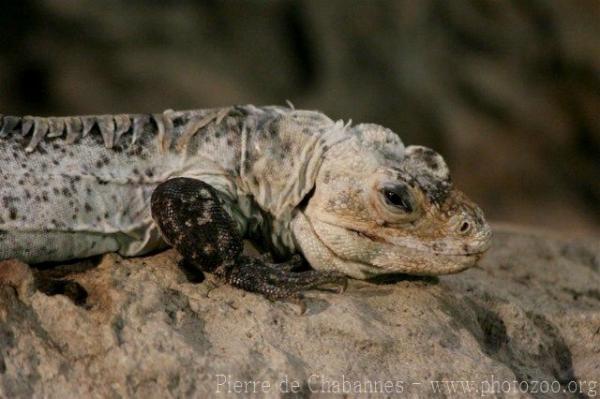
(17,275)
(530,312)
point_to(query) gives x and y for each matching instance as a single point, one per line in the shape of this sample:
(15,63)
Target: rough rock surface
(530,312)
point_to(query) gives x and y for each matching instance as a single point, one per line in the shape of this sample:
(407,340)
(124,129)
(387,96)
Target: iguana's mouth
(475,251)
(367,236)
(379,255)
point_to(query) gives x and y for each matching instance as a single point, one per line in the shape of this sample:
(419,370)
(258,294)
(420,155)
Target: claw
(298,299)
(291,266)
(302,309)
(343,287)
(210,287)
(296,259)
(288,266)
(266,257)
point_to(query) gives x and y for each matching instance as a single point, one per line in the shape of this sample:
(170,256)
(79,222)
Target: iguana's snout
(467,232)
(379,207)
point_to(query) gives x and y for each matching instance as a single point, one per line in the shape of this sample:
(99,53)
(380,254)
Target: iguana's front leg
(191,219)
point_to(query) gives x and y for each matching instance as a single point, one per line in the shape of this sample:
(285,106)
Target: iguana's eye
(399,197)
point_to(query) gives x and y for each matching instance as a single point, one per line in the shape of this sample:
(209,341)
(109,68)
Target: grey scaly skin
(353,200)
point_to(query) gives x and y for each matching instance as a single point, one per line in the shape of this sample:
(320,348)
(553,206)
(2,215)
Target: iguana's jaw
(320,256)
(363,255)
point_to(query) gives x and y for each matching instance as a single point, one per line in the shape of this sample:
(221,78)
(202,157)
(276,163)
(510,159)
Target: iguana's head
(379,207)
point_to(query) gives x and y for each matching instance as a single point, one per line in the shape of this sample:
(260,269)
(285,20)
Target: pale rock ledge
(529,312)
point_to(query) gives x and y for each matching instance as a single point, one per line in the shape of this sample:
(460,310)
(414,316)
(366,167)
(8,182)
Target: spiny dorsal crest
(112,128)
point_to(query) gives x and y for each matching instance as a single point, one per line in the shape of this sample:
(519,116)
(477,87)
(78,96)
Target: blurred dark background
(508,91)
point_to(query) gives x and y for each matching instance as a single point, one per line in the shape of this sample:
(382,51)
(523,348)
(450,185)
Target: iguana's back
(79,186)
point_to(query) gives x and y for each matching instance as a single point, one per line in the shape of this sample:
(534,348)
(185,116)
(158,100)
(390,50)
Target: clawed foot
(298,299)
(276,282)
(191,218)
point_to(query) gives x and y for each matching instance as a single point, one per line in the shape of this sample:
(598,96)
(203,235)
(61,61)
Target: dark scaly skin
(192,220)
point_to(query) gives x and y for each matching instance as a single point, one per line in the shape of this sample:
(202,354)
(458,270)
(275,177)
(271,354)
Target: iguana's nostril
(465,227)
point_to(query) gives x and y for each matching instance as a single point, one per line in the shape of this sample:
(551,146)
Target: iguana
(353,200)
